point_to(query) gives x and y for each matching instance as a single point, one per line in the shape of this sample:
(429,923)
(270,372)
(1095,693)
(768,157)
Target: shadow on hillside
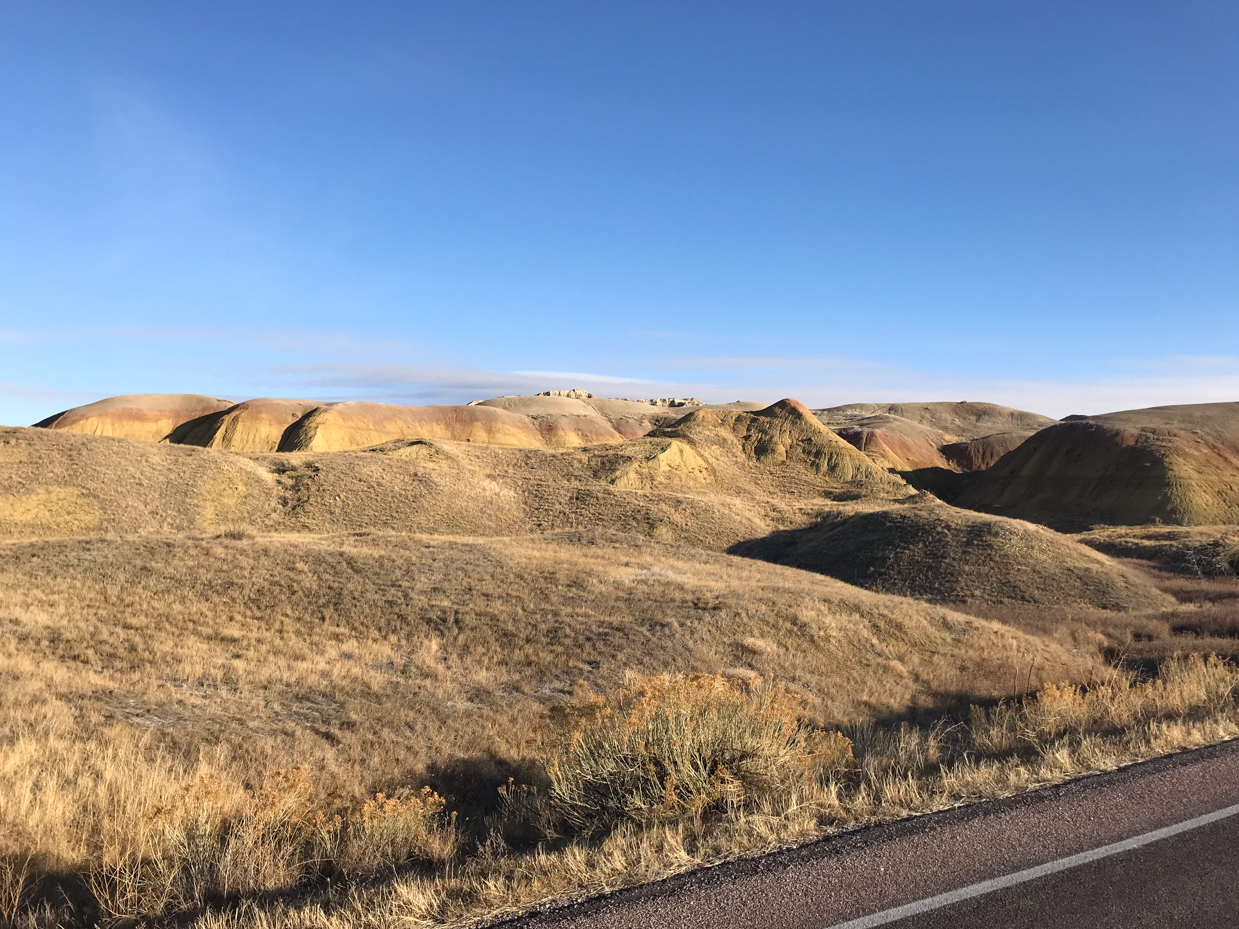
(471,786)
(943,483)
(774,548)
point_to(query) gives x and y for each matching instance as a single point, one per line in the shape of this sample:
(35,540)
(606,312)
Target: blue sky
(1032,203)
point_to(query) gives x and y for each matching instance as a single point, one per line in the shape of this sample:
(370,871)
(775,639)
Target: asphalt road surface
(1153,845)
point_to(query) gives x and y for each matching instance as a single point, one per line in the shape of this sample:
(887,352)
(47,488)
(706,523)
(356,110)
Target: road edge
(862,837)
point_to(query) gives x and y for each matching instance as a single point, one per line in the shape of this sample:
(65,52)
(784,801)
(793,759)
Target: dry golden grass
(134,668)
(1195,551)
(1196,566)
(664,775)
(390,653)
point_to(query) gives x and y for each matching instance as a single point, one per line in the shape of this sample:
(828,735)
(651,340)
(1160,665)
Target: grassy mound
(940,553)
(1199,551)
(1171,464)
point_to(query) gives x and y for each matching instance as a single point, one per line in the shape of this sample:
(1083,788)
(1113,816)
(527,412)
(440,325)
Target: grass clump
(213,846)
(666,748)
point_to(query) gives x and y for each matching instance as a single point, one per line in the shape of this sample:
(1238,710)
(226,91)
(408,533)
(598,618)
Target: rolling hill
(935,552)
(1174,464)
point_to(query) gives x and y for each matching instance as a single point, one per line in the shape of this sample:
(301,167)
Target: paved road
(1189,878)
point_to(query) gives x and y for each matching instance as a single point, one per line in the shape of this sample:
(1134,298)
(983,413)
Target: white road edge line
(1031,874)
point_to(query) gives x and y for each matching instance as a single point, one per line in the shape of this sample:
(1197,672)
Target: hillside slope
(251,426)
(897,443)
(1176,464)
(562,421)
(783,442)
(357,424)
(964,420)
(416,649)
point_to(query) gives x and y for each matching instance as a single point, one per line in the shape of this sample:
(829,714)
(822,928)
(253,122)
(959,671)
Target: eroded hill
(1177,464)
(920,436)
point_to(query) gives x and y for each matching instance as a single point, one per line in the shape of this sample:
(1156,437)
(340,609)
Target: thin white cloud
(593,378)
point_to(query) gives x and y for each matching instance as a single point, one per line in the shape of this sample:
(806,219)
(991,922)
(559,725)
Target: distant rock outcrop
(964,421)
(980,454)
(574,394)
(577,417)
(921,436)
(896,443)
(563,421)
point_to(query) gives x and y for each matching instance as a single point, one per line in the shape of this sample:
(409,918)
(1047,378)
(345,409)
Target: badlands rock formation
(966,419)
(896,443)
(982,453)
(252,426)
(144,417)
(783,434)
(915,436)
(1176,464)
(357,424)
(558,419)
(725,477)
(562,421)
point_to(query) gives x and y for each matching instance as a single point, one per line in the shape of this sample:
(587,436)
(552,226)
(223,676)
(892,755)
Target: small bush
(386,833)
(667,748)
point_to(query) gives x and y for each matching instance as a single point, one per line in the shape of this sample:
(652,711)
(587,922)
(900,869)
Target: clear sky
(1034,203)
